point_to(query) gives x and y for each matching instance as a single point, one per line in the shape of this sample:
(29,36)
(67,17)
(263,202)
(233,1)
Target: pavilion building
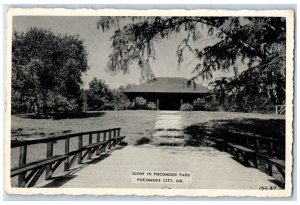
(167,93)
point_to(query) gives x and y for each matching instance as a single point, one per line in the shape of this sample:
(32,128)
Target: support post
(79,147)
(109,138)
(22,161)
(98,140)
(115,135)
(49,154)
(67,149)
(104,139)
(133,102)
(157,104)
(257,144)
(90,142)
(271,147)
(98,137)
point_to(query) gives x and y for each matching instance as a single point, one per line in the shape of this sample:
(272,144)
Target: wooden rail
(272,146)
(29,173)
(254,148)
(280,109)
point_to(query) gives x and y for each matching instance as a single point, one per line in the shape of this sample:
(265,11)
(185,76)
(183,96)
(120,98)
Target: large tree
(256,42)
(47,71)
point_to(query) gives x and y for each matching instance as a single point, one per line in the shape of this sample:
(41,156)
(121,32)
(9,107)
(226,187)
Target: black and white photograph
(165,102)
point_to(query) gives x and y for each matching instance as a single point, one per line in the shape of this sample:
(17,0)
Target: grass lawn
(133,124)
(199,126)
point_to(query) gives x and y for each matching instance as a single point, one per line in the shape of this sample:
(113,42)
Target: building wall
(167,101)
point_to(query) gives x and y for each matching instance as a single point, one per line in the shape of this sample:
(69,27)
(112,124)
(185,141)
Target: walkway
(168,129)
(208,168)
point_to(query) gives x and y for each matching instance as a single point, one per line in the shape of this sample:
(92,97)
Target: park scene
(158,102)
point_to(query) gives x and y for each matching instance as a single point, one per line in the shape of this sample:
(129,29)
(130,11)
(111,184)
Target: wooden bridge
(233,164)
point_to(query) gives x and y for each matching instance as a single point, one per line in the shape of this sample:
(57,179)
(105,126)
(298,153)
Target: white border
(289,14)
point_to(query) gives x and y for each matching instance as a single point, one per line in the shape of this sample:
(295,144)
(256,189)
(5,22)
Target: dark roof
(167,85)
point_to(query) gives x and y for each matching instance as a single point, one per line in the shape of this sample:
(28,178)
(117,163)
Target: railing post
(257,144)
(22,161)
(109,138)
(67,149)
(104,139)
(119,132)
(79,147)
(115,135)
(49,154)
(247,141)
(90,142)
(98,140)
(271,147)
(98,137)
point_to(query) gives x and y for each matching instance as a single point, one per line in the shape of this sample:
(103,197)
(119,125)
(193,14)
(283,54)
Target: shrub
(186,107)
(151,106)
(140,101)
(199,104)
(143,140)
(130,106)
(108,106)
(59,103)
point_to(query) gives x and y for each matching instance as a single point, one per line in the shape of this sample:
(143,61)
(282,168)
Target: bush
(141,101)
(130,106)
(108,106)
(186,107)
(62,104)
(199,104)
(143,140)
(151,106)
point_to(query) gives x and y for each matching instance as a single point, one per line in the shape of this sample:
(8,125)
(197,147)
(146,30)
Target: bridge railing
(280,109)
(263,152)
(29,173)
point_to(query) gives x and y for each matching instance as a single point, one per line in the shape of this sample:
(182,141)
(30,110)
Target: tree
(98,95)
(120,100)
(46,71)
(258,42)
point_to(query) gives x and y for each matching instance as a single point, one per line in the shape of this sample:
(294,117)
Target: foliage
(143,140)
(120,100)
(257,42)
(151,106)
(46,71)
(98,96)
(140,101)
(186,107)
(199,104)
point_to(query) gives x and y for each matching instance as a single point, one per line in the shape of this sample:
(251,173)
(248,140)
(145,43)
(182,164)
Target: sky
(98,46)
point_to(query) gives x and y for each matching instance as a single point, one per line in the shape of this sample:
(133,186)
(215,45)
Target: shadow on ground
(198,134)
(60,116)
(205,134)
